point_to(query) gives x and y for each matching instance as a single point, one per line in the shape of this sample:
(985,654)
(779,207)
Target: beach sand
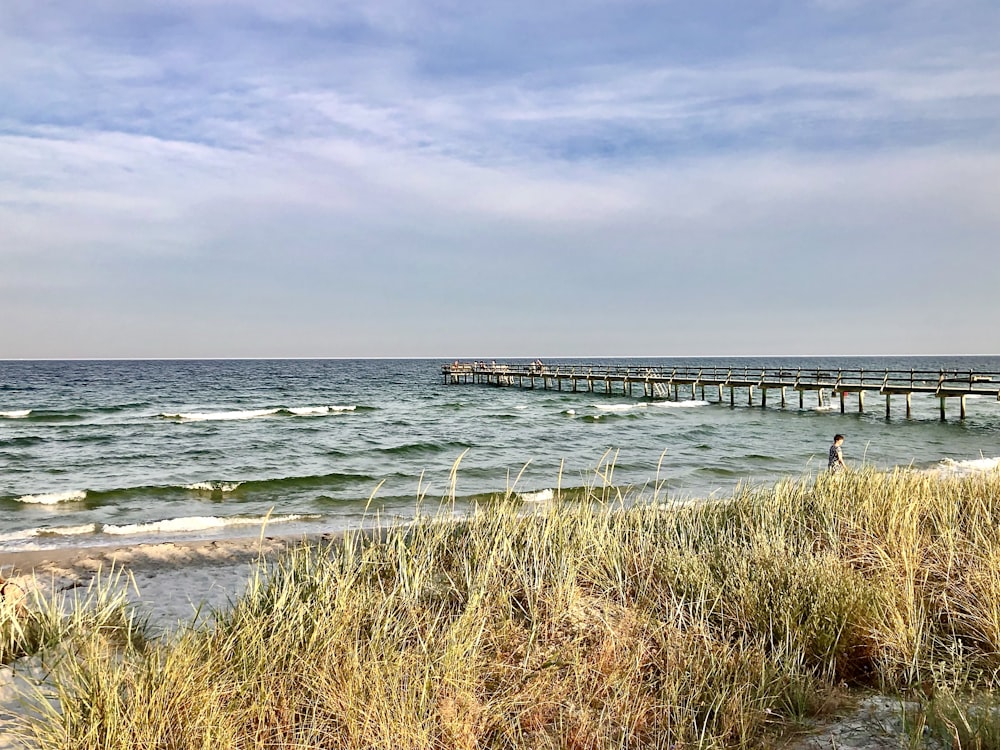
(172,579)
(175,583)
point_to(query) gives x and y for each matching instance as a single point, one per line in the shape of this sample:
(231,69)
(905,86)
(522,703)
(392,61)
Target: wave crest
(242,414)
(16,414)
(679,404)
(315,411)
(55,531)
(213,486)
(200,523)
(54,498)
(950,467)
(616,408)
(624,408)
(541,496)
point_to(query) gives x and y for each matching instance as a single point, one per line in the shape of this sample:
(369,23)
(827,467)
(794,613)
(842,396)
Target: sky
(455,178)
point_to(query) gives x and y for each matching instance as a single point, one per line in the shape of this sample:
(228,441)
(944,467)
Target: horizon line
(452,358)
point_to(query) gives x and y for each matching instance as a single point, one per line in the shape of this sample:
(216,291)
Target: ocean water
(100,452)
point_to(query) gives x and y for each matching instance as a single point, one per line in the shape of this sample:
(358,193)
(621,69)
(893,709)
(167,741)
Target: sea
(122,452)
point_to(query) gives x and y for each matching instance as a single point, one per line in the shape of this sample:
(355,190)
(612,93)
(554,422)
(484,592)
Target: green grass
(585,624)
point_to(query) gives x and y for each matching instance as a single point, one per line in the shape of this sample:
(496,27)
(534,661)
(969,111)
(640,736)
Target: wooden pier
(664,382)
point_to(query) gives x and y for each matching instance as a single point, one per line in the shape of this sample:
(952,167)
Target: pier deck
(659,382)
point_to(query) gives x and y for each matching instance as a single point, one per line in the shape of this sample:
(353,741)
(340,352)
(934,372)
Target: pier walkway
(664,382)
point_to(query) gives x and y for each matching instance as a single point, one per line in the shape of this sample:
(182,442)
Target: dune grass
(39,625)
(584,624)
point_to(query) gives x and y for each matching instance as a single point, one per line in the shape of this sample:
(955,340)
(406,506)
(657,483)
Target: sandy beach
(172,579)
(171,583)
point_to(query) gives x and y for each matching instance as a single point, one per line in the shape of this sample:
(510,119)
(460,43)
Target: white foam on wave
(570,412)
(692,403)
(240,414)
(84,528)
(950,467)
(619,407)
(316,411)
(199,523)
(213,486)
(542,496)
(54,498)
(13,536)
(18,414)
(221,416)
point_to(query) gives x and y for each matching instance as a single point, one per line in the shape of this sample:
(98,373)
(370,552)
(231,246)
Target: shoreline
(227,550)
(145,554)
(169,583)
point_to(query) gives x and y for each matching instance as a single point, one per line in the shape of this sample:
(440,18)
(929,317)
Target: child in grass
(836,463)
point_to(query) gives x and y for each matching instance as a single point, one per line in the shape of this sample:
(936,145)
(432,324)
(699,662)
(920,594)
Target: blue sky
(198,178)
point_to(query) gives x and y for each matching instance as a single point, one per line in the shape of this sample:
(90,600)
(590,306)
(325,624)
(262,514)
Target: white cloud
(100,192)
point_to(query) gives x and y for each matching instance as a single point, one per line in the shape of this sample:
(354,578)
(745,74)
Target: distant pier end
(659,382)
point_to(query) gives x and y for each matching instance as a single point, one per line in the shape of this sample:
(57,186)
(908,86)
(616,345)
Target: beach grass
(590,623)
(35,624)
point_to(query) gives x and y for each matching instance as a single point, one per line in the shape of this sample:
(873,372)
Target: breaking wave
(184,524)
(54,498)
(618,408)
(679,404)
(950,467)
(242,414)
(269,486)
(57,531)
(541,496)
(201,523)
(213,486)
(625,408)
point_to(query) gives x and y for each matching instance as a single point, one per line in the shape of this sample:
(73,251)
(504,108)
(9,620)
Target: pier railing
(658,381)
(852,379)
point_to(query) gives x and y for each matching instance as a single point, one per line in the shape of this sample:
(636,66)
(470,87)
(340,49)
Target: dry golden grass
(587,624)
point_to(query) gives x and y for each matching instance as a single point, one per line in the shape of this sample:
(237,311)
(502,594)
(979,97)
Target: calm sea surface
(98,452)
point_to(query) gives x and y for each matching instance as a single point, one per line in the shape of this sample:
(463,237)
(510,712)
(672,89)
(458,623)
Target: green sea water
(98,452)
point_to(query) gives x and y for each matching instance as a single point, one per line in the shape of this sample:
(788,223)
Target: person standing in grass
(836,463)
